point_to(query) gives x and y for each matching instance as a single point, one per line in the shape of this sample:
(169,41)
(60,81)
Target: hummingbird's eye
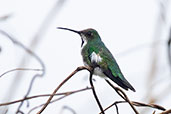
(89,33)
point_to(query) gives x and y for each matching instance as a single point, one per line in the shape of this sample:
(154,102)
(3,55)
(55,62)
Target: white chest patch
(95,57)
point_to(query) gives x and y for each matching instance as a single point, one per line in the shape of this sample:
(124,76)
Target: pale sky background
(127,27)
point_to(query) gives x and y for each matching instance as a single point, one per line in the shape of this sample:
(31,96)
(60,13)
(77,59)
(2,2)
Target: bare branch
(148,105)
(115,103)
(20,69)
(49,103)
(139,104)
(61,84)
(28,91)
(123,95)
(57,99)
(154,112)
(94,92)
(45,95)
(166,112)
(117,110)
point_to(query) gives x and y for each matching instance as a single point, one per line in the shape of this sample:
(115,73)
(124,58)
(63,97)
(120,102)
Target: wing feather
(111,69)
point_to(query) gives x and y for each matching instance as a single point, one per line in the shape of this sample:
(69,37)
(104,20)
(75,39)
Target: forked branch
(61,84)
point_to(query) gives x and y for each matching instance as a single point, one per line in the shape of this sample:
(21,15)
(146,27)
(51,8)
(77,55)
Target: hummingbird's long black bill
(78,32)
(69,30)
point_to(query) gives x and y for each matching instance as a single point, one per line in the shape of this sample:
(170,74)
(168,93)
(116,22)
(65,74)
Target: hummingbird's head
(87,35)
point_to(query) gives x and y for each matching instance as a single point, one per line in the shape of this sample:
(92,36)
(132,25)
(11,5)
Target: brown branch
(117,110)
(94,92)
(166,112)
(63,82)
(44,95)
(20,69)
(28,91)
(123,95)
(57,99)
(119,91)
(115,103)
(48,104)
(138,104)
(148,105)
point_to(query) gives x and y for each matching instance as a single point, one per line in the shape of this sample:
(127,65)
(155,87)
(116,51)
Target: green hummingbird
(97,56)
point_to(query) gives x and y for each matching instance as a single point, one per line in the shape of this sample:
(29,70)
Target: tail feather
(121,82)
(124,84)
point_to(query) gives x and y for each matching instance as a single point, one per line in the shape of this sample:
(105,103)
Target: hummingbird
(97,56)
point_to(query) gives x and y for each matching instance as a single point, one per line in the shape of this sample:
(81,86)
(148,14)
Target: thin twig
(94,92)
(123,95)
(148,105)
(114,104)
(57,99)
(154,112)
(63,82)
(48,104)
(28,91)
(117,110)
(44,95)
(166,112)
(139,104)
(19,69)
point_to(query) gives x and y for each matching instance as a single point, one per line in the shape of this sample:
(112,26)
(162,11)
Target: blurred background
(137,32)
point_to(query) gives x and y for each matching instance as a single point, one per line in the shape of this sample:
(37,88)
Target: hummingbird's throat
(83,39)
(82,42)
